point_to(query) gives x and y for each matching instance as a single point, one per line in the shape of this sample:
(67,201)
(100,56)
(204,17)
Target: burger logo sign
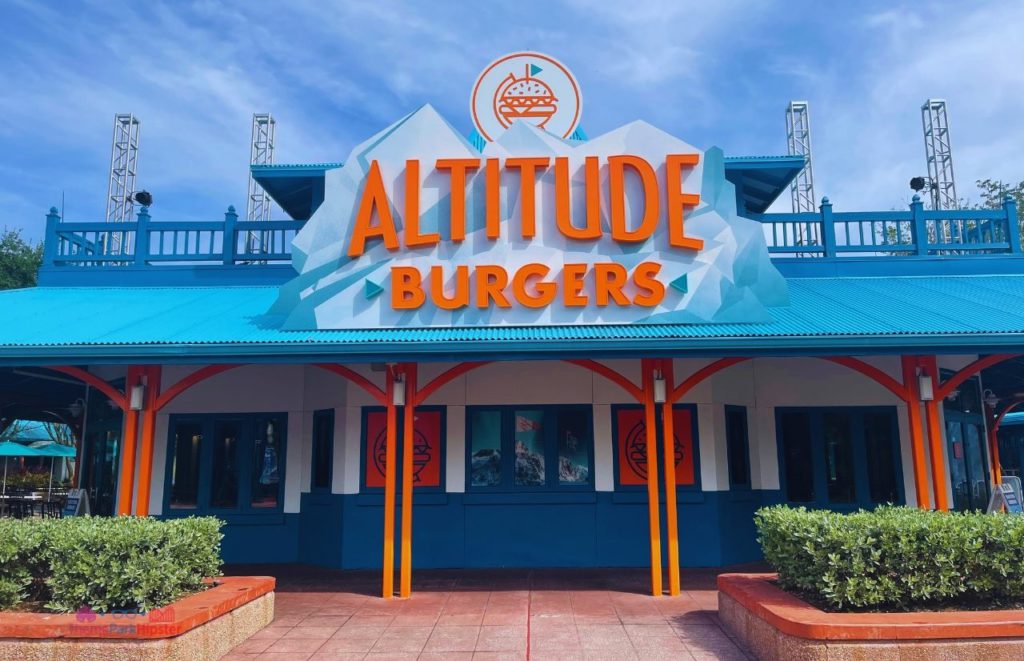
(527,223)
(529,87)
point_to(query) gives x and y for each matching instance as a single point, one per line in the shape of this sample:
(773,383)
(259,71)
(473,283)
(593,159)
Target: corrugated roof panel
(820,307)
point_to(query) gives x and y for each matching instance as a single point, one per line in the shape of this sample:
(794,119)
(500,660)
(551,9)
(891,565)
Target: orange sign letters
(530,285)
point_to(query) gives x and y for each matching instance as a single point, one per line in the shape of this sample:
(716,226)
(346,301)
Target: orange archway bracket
(112,393)
(996,420)
(187,382)
(872,372)
(968,371)
(703,373)
(446,377)
(372,389)
(1002,414)
(598,368)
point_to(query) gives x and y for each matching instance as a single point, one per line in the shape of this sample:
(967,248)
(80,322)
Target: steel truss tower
(124,159)
(798,139)
(261,153)
(939,154)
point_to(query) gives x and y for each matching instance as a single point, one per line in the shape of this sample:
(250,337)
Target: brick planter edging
(777,625)
(227,594)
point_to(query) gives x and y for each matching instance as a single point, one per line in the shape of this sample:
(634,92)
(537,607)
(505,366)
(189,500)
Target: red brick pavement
(563,615)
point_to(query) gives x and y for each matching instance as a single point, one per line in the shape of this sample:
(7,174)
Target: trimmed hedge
(123,564)
(895,558)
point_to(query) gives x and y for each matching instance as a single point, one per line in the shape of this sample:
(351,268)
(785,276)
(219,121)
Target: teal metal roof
(856,315)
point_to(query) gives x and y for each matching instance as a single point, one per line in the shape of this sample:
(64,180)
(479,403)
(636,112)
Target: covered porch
(153,398)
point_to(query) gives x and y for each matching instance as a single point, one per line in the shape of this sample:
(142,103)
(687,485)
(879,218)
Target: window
(843,457)
(225,463)
(427,459)
(795,427)
(879,438)
(485,448)
(530,448)
(839,457)
(737,446)
(323,450)
(186,445)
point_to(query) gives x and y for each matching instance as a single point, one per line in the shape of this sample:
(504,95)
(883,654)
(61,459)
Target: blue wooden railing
(147,243)
(826,236)
(886,234)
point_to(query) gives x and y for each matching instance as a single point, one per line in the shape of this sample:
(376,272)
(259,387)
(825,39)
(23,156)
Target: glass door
(957,465)
(99,479)
(965,446)
(977,471)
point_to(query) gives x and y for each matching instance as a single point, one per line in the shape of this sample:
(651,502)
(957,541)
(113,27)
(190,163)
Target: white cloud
(332,73)
(867,125)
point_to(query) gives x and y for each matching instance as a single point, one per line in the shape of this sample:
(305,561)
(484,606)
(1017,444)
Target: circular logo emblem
(421,453)
(636,449)
(530,87)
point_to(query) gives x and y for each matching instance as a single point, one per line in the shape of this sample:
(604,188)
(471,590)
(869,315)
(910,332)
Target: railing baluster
(1012,228)
(228,252)
(828,248)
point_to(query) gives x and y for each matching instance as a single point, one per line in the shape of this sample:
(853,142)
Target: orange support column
(993,445)
(671,497)
(126,483)
(931,366)
(653,506)
(409,419)
(913,401)
(149,409)
(390,470)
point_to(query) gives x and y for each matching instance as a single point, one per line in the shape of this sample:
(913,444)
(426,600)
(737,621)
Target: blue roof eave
(297,188)
(760,180)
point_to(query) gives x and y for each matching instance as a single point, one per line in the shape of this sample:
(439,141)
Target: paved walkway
(563,615)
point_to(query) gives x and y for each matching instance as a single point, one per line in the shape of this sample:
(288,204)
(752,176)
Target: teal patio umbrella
(12,449)
(52,449)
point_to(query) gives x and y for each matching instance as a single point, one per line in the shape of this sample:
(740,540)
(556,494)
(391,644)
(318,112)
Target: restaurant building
(563,350)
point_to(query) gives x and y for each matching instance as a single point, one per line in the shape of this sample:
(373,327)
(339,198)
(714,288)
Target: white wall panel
(604,451)
(353,424)
(455,450)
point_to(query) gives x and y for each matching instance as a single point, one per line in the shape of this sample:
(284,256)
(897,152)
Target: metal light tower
(262,153)
(939,154)
(124,158)
(798,138)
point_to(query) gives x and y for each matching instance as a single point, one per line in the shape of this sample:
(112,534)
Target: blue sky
(713,73)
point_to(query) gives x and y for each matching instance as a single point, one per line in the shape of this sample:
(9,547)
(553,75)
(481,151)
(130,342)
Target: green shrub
(107,564)
(895,558)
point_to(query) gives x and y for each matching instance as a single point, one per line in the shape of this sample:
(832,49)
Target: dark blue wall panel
(466,530)
(263,542)
(320,529)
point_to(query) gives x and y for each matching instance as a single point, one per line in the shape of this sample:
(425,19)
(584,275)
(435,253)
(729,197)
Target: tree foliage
(992,193)
(19,260)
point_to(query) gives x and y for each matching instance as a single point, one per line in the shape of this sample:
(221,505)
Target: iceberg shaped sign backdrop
(420,229)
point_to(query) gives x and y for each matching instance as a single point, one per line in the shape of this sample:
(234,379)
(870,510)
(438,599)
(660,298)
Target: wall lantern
(398,392)
(659,388)
(991,399)
(136,396)
(924,382)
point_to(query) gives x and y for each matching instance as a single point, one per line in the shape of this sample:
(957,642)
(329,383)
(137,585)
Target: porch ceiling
(826,315)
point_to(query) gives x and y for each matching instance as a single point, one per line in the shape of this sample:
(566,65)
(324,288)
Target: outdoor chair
(53,509)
